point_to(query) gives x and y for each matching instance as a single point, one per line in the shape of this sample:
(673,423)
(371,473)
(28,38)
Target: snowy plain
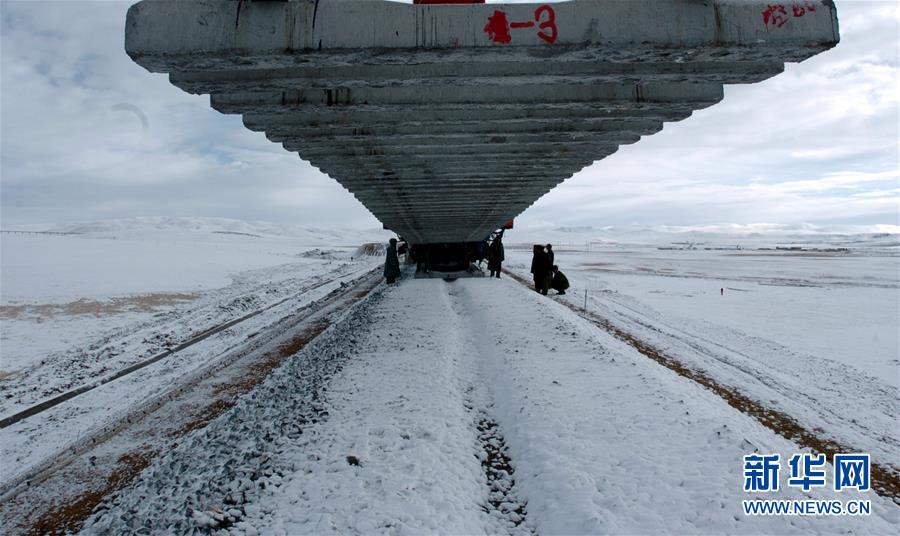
(80,306)
(64,291)
(378,426)
(602,440)
(813,331)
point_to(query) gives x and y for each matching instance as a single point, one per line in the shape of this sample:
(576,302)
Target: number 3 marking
(549,25)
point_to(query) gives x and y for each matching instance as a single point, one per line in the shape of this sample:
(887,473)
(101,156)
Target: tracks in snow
(383,422)
(59,494)
(409,414)
(183,345)
(885,477)
(498,469)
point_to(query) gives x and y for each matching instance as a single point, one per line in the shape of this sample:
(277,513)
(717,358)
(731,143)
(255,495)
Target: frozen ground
(813,333)
(79,308)
(468,407)
(62,292)
(375,429)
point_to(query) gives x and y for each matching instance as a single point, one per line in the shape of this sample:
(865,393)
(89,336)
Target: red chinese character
(775,15)
(498,25)
(798,11)
(497,28)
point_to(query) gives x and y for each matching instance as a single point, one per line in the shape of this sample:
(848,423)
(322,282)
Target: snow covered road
(374,427)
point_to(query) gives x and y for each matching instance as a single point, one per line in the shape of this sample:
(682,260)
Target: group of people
(546,274)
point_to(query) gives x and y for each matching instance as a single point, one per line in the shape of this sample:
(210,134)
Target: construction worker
(496,255)
(558,282)
(391,262)
(540,269)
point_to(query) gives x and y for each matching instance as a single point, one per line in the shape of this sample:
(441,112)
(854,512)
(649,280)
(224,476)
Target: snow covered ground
(375,429)
(813,333)
(62,292)
(475,406)
(78,308)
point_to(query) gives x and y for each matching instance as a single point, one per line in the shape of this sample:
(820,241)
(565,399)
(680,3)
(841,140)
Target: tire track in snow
(116,458)
(720,354)
(885,478)
(498,470)
(200,337)
(215,477)
(504,500)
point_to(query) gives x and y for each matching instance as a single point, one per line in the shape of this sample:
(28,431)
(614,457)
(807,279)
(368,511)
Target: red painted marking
(497,28)
(775,15)
(498,25)
(549,24)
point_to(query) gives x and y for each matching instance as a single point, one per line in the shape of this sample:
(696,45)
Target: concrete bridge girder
(446,120)
(494,128)
(370,116)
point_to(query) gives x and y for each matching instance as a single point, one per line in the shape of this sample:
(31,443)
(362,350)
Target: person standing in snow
(559,282)
(550,255)
(540,269)
(496,256)
(391,262)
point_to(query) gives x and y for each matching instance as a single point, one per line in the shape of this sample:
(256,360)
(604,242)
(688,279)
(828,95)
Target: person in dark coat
(496,256)
(540,269)
(391,262)
(550,255)
(559,282)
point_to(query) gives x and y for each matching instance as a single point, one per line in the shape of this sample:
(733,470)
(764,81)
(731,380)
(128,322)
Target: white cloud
(815,144)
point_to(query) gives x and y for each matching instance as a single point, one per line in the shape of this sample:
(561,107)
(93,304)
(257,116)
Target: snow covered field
(810,332)
(77,308)
(60,292)
(473,406)
(374,429)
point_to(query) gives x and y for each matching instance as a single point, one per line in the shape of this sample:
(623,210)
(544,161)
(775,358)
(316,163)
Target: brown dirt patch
(129,304)
(257,372)
(70,517)
(203,417)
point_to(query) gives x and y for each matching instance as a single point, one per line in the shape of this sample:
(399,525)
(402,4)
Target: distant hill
(141,226)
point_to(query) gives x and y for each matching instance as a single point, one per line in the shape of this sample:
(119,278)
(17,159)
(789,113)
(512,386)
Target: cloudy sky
(86,134)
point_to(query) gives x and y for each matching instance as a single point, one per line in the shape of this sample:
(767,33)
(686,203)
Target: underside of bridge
(446,121)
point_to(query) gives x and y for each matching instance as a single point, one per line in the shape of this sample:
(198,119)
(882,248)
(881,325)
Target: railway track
(57,495)
(191,341)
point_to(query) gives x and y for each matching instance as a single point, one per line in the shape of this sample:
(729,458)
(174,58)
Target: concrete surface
(447,120)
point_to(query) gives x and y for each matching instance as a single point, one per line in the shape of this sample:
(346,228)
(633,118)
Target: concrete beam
(474,76)
(172,35)
(489,128)
(375,116)
(447,121)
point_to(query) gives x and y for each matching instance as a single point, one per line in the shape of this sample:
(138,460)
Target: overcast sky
(87,134)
